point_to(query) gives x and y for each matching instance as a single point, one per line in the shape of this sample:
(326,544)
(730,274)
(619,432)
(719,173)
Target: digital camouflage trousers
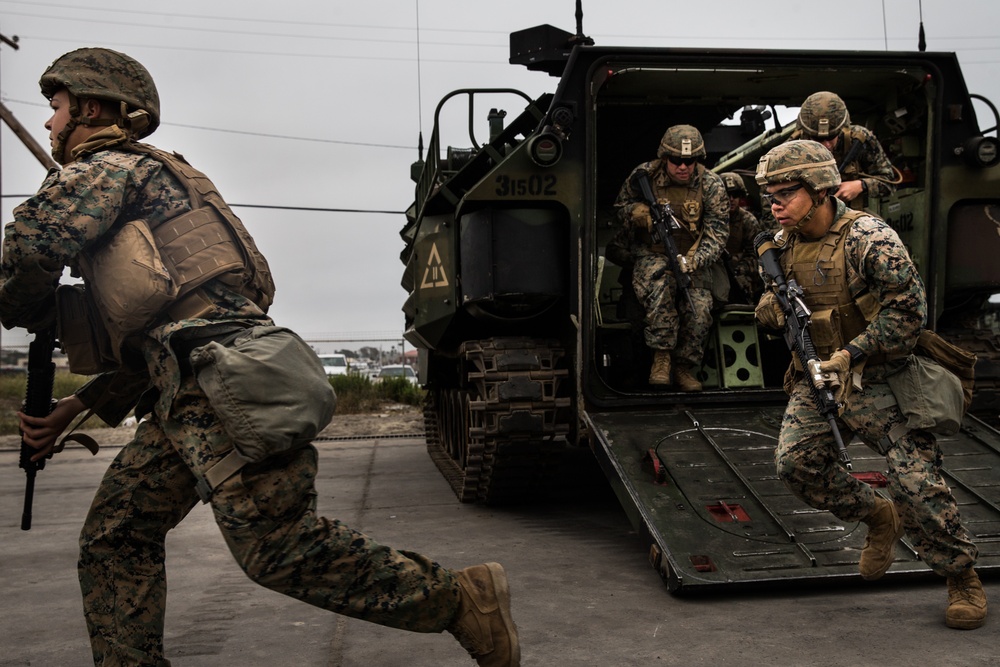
(806,459)
(671,322)
(267,515)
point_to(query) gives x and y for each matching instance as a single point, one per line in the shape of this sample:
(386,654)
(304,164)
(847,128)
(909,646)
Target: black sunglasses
(679,161)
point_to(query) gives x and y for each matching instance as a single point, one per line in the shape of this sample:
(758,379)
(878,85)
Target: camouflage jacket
(714,209)
(872,166)
(743,227)
(877,261)
(75,208)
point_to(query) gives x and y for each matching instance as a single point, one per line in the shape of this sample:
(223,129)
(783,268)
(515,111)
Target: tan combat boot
(660,372)
(686,379)
(966,601)
(482,624)
(884,530)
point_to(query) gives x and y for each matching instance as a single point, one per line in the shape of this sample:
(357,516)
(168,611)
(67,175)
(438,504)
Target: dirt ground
(394,419)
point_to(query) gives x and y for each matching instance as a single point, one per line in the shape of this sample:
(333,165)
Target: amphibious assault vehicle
(528,356)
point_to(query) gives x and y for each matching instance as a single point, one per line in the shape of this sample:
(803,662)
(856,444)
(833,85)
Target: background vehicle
(513,303)
(397,371)
(334,364)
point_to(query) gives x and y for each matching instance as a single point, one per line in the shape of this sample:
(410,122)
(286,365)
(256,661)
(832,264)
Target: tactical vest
(820,268)
(686,201)
(147,275)
(852,170)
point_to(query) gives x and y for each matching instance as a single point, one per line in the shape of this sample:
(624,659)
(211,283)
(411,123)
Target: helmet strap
(95,122)
(59,145)
(76,119)
(817,201)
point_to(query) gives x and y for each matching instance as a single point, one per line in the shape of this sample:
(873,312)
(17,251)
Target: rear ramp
(700,484)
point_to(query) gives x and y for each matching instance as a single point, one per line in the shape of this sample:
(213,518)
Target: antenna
(579,18)
(420,104)
(885,29)
(921,39)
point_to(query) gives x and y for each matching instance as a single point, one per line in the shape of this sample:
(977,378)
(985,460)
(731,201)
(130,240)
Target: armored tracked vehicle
(528,356)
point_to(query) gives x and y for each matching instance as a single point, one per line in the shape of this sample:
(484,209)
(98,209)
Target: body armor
(820,268)
(686,202)
(145,276)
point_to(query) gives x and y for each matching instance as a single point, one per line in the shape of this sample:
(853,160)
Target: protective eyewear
(682,161)
(781,197)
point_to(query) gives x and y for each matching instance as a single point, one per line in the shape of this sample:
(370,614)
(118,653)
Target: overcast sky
(319,104)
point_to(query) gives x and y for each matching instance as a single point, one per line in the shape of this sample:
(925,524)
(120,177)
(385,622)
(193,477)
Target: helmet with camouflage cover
(734,183)
(106,75)
(681,141)
(799,161)
(823,115)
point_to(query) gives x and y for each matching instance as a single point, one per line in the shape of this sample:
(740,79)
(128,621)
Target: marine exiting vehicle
(529,353)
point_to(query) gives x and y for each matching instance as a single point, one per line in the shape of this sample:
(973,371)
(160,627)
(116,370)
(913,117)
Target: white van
(334,364)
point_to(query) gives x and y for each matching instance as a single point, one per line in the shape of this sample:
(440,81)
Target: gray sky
(319,103)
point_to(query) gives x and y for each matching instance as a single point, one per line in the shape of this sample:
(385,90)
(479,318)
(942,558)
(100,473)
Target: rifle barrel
(37,403)
(29,495)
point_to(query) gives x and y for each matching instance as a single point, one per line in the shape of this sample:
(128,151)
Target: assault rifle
(37,403)
(663,222)
(797,337)
(852,155)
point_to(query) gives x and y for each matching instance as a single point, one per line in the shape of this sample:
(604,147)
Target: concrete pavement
(583,593)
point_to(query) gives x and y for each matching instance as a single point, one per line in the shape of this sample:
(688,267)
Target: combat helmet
(734,183)
(107,75)
(823,115)
(801,160)
(681,141)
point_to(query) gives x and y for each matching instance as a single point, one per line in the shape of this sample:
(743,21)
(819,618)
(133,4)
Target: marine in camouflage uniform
(266,511)
(823,117)
(743,228)
(855,265)
(674,330)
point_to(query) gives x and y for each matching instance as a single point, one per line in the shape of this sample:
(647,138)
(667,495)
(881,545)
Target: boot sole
(499,578)
(971,624)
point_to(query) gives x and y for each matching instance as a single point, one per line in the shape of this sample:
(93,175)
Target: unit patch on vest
(692,210)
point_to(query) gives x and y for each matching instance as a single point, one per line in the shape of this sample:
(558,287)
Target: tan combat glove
(640,216)
(769,313)
(835,375)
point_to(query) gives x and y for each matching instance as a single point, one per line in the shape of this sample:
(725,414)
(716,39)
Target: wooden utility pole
(12,43)
(29,141)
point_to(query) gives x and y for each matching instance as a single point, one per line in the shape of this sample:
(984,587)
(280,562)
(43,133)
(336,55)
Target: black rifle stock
(797,337)
(37,403)
(663,222)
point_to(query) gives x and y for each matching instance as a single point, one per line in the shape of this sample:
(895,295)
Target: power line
(311,208)
(104,21)
(239,52)
(423,28)
(276,207)
(293,138)
(253,134)
(143,12)
(631,36)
